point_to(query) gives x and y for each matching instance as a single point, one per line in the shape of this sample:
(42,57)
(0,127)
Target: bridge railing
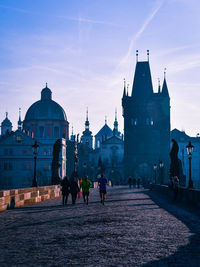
(187,195)
(24,196)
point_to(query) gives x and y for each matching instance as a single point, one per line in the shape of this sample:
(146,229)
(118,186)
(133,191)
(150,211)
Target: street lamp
(190,148)
(161,165)
(35,148)
(76,161)
(155,168)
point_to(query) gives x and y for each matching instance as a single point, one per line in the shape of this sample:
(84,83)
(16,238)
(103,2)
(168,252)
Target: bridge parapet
(191,196)
(24,196)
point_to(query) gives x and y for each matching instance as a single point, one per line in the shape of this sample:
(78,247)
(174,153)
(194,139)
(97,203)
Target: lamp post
(161,166)
(155,168)
(190,148)
(76,161)
(35,148)
(84,168)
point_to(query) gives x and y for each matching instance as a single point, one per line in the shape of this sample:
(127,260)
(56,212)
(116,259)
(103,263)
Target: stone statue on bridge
(55,166)
(176,164)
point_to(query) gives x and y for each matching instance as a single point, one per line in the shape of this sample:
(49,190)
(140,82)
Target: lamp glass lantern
(189,148)
(35,148)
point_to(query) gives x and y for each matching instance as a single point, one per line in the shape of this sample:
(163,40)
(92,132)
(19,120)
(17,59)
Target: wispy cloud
(16,9)
(80,19)
(138,34)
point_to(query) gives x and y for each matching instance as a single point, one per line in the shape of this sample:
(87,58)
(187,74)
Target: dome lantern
(46,93)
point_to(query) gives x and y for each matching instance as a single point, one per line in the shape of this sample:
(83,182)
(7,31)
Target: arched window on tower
(56,132)
(151,122)
(147,121)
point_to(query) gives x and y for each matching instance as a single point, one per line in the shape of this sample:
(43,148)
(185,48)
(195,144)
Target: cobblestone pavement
(134,228)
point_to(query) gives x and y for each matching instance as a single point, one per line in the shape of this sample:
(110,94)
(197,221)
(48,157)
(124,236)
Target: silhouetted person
(65,189)
(130,181)
(102,182)
(138,182)
(74,189)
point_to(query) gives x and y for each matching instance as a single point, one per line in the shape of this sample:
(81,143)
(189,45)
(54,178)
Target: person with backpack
(85,185)
(65,190)
(74,189)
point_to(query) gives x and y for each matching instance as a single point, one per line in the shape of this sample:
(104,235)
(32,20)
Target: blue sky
(85,48)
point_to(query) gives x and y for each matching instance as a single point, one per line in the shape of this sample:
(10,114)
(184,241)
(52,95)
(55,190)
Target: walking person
(74,189)
(130,181)
(102,187)
(65,190)
(85,185)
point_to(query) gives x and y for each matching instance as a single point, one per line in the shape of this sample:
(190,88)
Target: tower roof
(142,84)
(105,131)
(6,122)
(165,89)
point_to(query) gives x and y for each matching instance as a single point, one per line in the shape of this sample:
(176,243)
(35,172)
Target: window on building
(98,144)
(11,151)
(147,121)
(134,121)
(5,166)
(41,131)
(47,151)
(56,132)
(10,166)
(152,122)
(6,151)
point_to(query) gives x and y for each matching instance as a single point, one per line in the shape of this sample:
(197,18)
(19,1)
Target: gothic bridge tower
(146,125)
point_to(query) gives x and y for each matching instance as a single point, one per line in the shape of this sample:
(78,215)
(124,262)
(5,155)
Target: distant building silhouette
(146,124)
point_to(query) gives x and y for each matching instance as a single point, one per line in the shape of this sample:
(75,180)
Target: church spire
(19,121)
(159,85)
(124,93)
(164,87)
(87,124)
(115,130)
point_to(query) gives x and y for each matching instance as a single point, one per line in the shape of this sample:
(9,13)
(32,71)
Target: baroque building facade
(45,122)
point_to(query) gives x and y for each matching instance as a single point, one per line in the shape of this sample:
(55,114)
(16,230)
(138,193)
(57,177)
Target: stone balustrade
(190,196)
(26,196)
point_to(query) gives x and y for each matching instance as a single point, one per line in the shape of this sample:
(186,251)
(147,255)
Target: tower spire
(159,85)
(115,114)
(124,93)
(87,114)
(105,119)
(136,55)
(147,55)
(165,73)
(87,124)
(20,121)
(164,87)
(127,89)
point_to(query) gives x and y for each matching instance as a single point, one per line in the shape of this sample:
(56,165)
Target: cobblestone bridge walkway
(134,228)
